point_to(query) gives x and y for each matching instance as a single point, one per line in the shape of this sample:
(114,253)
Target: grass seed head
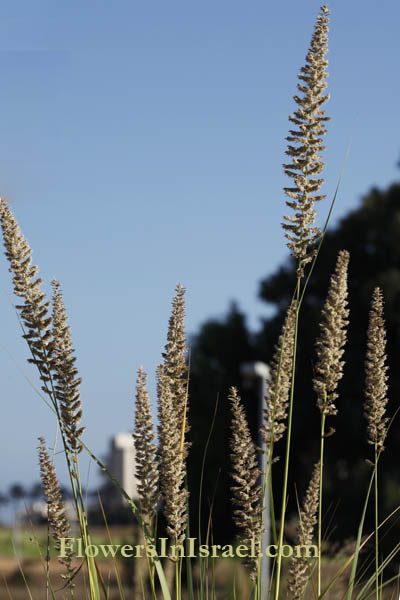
(65,372)
(175,360)
(34,310)
(332,338)
(376,374)
(56,510)
(145,450)
(277,397)
(300,566)
(305,145)
(171,461)
(246,493)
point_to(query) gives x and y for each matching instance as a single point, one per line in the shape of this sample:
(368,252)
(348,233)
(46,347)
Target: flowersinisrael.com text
(190,549)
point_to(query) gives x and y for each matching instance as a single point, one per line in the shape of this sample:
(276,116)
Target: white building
(121,462)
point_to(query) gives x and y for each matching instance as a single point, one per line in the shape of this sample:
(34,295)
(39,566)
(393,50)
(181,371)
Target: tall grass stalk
(287,453)
(305,143)
(329,367)
(277,400)
(376,393)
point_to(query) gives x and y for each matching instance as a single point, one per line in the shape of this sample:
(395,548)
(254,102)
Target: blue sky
(141,145)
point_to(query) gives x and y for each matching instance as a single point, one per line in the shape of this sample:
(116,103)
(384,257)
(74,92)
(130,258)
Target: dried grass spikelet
(172,468)
(306,160)
(277,397)
(332,339)
(246,474)
(376,374)
(299,566)
(175,360)
(56,511)
(146,450)
(34,310)
(65,373)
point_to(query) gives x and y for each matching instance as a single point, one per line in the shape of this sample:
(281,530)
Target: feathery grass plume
(146,450)
(171,460)
(332,339)
(306,160)
(34,311)
(277,397)
(65,373)
(376,374)
(299,565)
(246,474)
(329,367)
(175,360)
(56,510)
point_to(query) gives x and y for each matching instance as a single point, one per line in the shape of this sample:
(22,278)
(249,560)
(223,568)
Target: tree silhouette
(17,491)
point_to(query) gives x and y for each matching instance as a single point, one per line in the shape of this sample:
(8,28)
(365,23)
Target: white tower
(121,462)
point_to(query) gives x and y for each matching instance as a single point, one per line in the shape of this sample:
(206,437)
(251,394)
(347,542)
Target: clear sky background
(141,145)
